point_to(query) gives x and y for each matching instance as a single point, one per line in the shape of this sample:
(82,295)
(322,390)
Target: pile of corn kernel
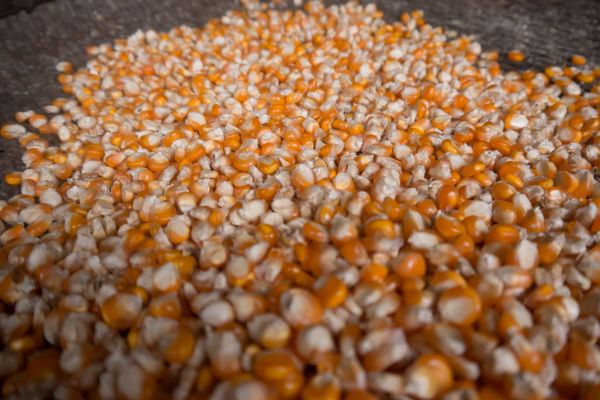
(310,204)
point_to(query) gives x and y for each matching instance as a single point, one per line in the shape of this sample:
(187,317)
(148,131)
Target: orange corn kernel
(326,390)
(354,251)
(502,191)
(300,307)
(502,234)
(274,365)
(409,264)
(13,178)
(429,376)
(516,56)
(167,306)
(448,227)
(374,272)
(476,228)
(459,305)
(578,59)
(315,232)
(330,291)
(121,310)
(380,227)
(180,346)
(447,198)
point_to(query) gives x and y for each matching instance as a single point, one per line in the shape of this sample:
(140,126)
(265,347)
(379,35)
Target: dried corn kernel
(312,204)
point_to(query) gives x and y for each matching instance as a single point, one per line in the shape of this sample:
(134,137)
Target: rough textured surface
(548,31)
(8,7)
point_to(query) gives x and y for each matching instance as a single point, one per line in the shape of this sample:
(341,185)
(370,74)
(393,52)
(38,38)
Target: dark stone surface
(8,7)
(548,31)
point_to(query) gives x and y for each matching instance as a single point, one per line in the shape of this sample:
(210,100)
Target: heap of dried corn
(305,204)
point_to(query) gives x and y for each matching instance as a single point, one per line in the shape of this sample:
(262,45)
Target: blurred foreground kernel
(308,204)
